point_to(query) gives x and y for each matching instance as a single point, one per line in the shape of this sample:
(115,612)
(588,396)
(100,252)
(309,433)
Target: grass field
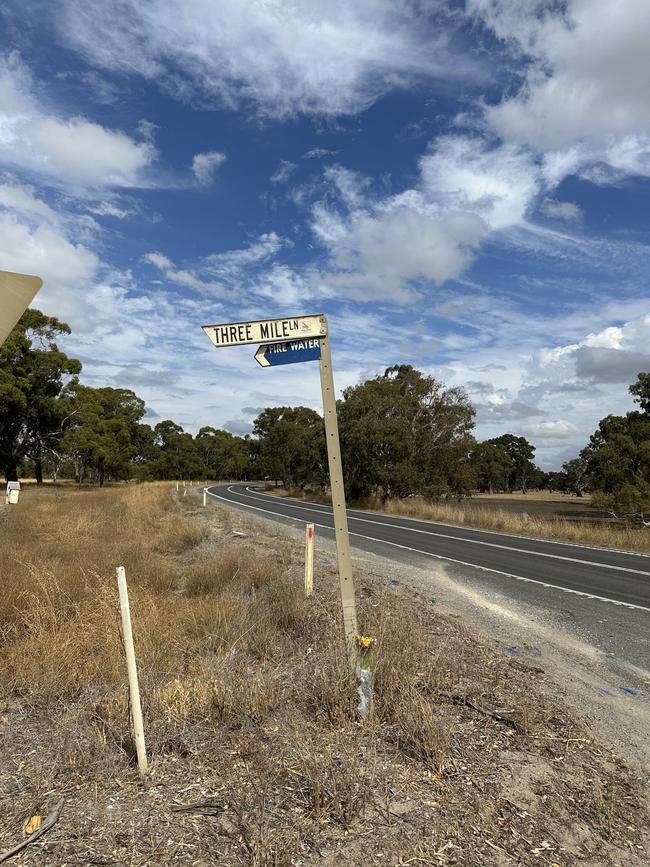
(257,754)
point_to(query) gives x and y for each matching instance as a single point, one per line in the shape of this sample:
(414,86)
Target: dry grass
(250,706)
(601,534)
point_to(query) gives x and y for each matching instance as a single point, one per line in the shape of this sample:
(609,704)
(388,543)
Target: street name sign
(289,352)
(266,330)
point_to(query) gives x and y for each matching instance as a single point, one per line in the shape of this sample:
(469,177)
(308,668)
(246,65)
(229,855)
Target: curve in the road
(611,576)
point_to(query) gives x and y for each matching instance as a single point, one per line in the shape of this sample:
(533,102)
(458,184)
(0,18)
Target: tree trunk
(11,472)
(38,471)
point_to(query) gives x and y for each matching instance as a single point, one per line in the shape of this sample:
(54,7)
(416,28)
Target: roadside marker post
(134,689)
(205,497)
(309,559)
(292,340)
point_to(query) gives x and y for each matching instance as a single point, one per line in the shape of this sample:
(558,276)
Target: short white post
(309,560)
(134,689)
(205,497)
(176,487)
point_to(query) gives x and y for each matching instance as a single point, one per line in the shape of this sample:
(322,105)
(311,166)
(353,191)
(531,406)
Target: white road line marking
(470,541)
(438,556)
(462,527)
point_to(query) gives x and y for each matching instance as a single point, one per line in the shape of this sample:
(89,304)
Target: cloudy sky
(459,185)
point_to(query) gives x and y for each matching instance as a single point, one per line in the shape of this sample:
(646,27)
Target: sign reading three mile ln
(266,330)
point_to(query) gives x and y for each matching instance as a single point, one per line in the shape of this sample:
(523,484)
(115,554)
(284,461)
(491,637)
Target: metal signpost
(295,339)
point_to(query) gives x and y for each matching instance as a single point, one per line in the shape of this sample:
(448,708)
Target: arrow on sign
(289,352)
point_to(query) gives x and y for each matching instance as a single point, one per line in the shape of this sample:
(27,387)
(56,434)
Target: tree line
(614,466)
(402,433)
(52,424)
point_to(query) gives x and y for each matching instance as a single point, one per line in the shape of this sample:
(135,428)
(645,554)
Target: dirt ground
(486,770)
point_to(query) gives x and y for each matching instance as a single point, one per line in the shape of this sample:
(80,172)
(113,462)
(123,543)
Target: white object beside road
(309,560)
(134,689)
(13,492)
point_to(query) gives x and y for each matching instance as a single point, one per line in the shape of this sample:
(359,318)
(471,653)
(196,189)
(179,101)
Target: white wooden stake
(205,497)
(134,689)
(176,487)
(309,560)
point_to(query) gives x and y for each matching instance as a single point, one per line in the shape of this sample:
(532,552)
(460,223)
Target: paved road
(618,578)
(581,613)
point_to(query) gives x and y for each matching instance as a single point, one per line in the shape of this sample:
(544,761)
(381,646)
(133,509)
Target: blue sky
(459,185)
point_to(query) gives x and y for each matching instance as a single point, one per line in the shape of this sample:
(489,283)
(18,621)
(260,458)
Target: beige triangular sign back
(17,292)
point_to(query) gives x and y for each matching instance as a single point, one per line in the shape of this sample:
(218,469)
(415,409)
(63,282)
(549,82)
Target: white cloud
(231,263)
(283,172)
(350,186)
(220,273)
(190,279)
(497,183)
(585,95)
(385,247)
(205,165)
(568,211)
(16,197)
(283,286)
(70,151)
(46,251)
(109,209)
(550,430)
(159,260)
(318,153)
(382,256)
(304,56)
(614,354)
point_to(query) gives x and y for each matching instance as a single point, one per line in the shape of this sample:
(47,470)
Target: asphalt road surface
(613,577)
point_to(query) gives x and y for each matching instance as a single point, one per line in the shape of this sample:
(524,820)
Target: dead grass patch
(603,534)
(257,754)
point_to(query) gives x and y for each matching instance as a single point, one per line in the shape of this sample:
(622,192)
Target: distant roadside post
(290,341)
(17,292)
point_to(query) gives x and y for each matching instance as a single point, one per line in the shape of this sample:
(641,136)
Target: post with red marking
(309,560)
